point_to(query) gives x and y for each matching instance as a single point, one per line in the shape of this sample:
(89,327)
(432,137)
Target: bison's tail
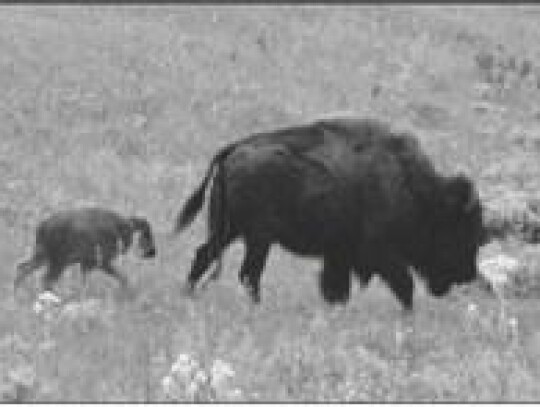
(195,201)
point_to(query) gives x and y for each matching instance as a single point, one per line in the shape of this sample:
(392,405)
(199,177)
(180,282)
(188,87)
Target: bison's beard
(439,289)
(437,285)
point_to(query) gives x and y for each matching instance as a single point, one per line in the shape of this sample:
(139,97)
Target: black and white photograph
(269,203)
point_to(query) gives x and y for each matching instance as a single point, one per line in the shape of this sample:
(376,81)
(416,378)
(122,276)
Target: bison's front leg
(335,279)
(113,272)
(252,267)
(364,275)
(398,279)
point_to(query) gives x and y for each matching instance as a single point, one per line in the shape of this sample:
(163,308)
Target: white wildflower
(222,368)
(182,360)
(235,395)
(497,270)
(400,338)
(221,372)
(184,366)
(201,377)
(167,384)
(38,307)
(72,311)
(45,304)
(23,375)
(513,323)
(472,309)
(49,298)
(192,390)
(472,315)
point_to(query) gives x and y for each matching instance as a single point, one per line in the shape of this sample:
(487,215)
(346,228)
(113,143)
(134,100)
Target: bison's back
(328,196)
(357,132)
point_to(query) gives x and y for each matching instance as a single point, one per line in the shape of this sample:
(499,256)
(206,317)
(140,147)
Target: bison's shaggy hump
(358,132)
(352,191)
(91,237)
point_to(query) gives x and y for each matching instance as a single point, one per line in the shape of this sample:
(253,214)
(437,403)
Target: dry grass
(123,106)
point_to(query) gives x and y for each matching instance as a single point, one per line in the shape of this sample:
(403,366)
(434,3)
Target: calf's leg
(400,282)
(117,275)
(52,275)
(26,268)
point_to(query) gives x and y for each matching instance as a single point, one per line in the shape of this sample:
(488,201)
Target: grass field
(124,106)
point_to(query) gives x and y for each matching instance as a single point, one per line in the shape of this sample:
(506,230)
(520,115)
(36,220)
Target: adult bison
(92,237)
(362,197)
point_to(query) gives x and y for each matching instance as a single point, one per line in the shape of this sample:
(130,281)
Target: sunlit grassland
(124,106)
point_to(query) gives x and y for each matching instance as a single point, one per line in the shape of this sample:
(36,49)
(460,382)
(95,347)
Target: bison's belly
(305,227)
(304,234)
(301,242)
(89,250)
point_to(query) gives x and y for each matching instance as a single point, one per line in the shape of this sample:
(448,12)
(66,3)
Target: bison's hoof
(336,297)
(255,298)
(254,294)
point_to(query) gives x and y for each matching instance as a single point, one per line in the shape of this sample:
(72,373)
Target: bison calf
(92,237)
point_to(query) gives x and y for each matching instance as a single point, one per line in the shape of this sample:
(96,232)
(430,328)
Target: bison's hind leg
(363,275)
(335,279)
(25,268)
(204,256)
(252,267)
(400,282)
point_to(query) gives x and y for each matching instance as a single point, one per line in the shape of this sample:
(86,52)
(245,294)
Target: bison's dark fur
(92,237)
(353,192)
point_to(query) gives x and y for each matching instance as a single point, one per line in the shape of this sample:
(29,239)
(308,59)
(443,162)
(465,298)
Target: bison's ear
(461,195)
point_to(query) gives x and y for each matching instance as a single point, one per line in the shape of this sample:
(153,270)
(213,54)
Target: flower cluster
(498,270)
(503,326)
(189,381)
(50,308)
(46,305)
(20,385)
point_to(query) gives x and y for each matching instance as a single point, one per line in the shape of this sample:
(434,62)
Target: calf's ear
(139,224)
(132,222)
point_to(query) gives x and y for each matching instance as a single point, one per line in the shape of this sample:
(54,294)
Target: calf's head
(456,235)
(145,245)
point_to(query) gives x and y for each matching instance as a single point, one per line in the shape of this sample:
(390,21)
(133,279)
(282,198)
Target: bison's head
(455,236)
(146,245)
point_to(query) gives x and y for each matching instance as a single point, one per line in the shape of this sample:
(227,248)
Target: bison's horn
(470,196)
(461,192)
